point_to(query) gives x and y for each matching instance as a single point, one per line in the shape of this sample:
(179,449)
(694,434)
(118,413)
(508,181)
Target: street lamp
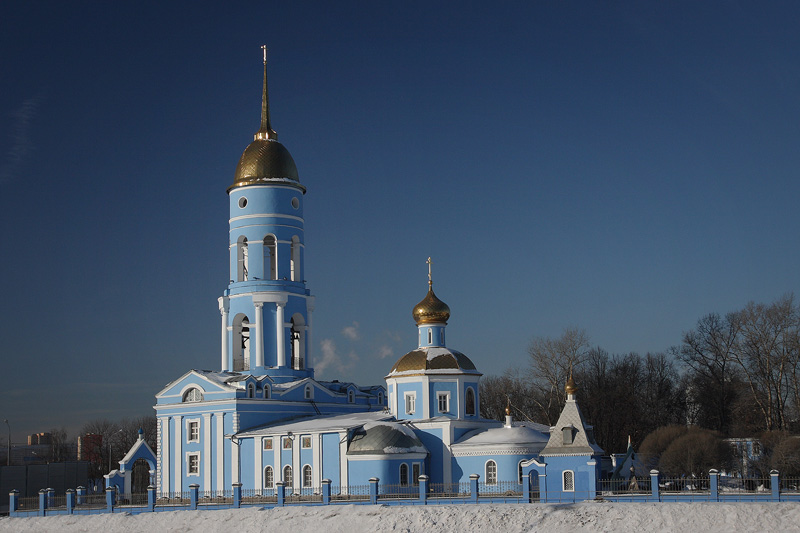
(8,457)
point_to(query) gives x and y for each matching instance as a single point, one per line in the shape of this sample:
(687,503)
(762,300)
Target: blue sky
(621,167)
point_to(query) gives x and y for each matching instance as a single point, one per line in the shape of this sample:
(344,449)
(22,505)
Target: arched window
(266,391)
(351,396)
(241,343)
(251,390)
(295,259)
(430,335)
(242,261)
(441,337)
(491,473)
(309,392)
(307,476)
(519,473)
(193,395)
(270,257)
(404,474)
(568,479)
(380,398)
(469,402)
(287,476)
(269,478)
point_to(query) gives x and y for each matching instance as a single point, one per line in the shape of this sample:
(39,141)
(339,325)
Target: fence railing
(653,488)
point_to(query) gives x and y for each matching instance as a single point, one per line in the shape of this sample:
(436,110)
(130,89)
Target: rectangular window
(267,444)
(444,402)
(411,403)
(287,443)
(193,432)
(306,442)
(193,464)
(415,474)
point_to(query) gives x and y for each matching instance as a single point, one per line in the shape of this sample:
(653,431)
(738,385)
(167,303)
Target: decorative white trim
(219,419)
(563,480)
(443,394)
(486,472)
(187,422)
(206,429)
(178,484)
(187,455)
(265,215)
(383,457)
(494,451)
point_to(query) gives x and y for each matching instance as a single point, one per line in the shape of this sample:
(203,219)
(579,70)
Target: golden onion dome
(431,310)
(265,159)
(571,388)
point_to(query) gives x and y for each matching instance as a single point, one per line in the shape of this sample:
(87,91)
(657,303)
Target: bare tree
(550,363)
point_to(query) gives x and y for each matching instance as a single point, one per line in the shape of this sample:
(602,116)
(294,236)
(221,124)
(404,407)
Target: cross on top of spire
(430,278)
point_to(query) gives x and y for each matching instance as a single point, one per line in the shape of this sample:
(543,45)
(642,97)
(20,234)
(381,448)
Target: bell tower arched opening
(298,337)
(241,343)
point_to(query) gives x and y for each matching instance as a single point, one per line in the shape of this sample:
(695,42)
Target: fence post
(13,501)
(542,487)
(193,488)
(326,491)
(654,485)
(280,491)
(110,493)
(51,495)
(81,495)
(473,488)
(526,488)
(423,489)
(237,495)
(775,484)
(42,501)
(713,484)
(151,498)
(70,500)
(373,490)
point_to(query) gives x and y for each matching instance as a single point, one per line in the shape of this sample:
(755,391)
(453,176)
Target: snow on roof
(511,436)
(318,424)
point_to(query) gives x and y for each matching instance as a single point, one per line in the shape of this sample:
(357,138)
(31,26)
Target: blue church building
(263,417)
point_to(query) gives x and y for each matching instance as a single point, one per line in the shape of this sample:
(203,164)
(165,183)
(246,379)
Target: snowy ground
(601,516)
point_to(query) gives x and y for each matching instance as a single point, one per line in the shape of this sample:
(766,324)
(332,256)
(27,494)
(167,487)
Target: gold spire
(431,309)
(266,131)
(508,406)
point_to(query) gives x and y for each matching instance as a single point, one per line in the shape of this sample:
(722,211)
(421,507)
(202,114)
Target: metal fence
(632,486)
(350,493)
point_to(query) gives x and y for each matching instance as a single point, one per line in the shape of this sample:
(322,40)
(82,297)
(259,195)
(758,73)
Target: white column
(279,328)
(309,309)
(223,309)
(178,447)
(207,452)
(234,461)
(258,445)
(259,335)
(219,419)
(164,455)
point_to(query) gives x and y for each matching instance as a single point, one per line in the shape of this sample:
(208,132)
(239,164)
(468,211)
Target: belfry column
(223,309)
(279,329)
(310,309)
(259,335)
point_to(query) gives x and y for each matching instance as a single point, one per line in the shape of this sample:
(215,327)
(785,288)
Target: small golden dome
(571,388)
(437,360)
(431,310)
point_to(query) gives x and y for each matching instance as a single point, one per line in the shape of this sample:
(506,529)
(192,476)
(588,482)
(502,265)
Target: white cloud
(351,332)
(331,360)
(385,351)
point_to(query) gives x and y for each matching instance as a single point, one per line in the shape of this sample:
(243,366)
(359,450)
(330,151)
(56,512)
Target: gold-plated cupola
(431,310)
(265,159)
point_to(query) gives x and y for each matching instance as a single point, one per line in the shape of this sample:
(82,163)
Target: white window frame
(189,422)
(307,483)
(564,480)
(490,479)
(194,394)
(269,477)
(251,390)
(468,404)
(288,483)
(443,396)
(400,474)
(189,456)
(266,444)
(410,400)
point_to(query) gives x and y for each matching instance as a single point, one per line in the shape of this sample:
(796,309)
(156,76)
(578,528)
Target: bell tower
(266,309)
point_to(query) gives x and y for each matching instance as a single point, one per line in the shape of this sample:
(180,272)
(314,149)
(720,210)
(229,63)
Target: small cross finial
(430,279)
(264,47)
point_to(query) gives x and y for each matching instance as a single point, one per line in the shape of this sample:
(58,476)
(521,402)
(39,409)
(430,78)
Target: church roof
(322,423)
(384,438)
(525,435)
(582,443)
(433,360)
